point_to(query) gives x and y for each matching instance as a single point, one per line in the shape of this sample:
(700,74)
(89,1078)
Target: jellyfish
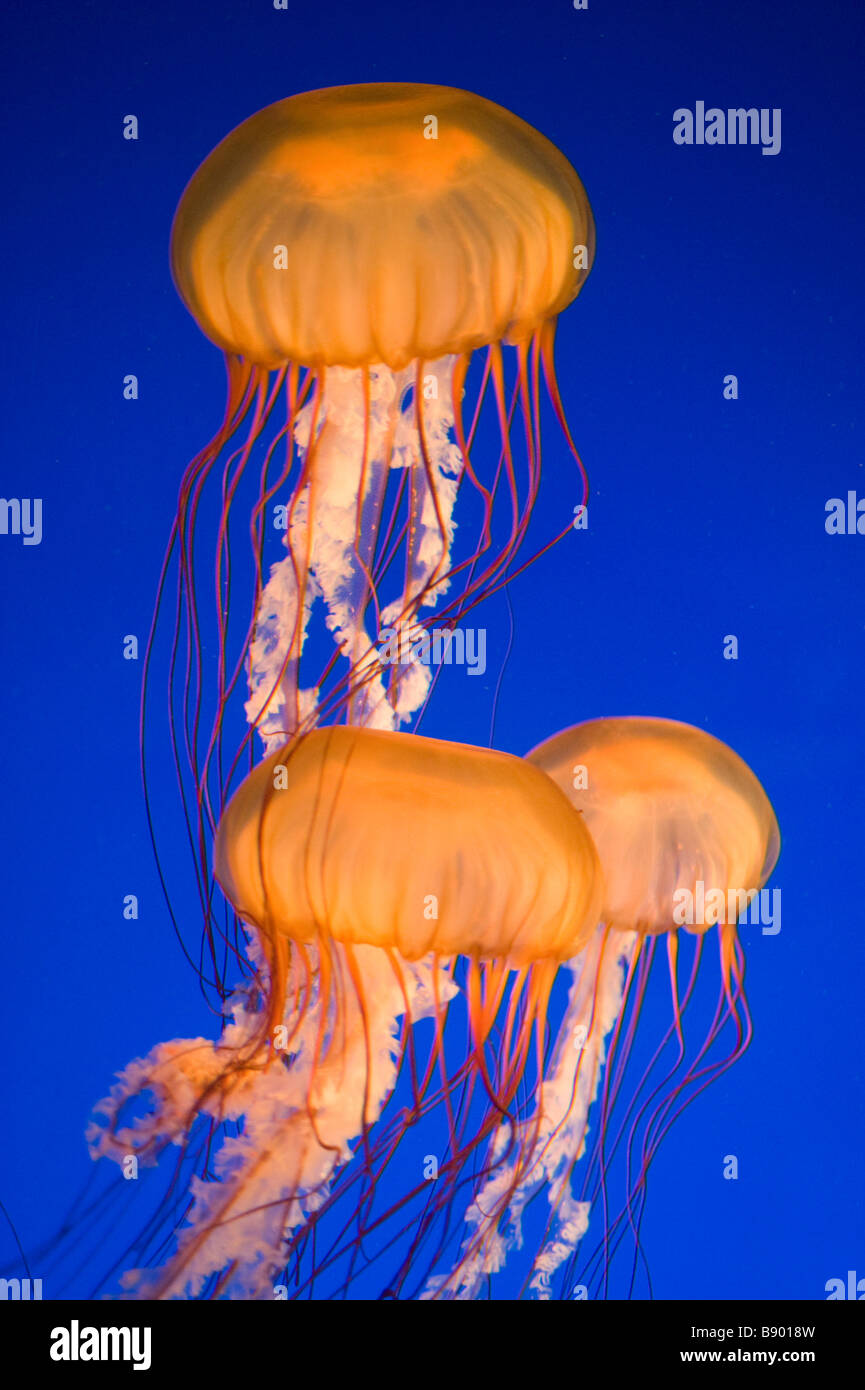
(351,250)
(383,877)
(686,837)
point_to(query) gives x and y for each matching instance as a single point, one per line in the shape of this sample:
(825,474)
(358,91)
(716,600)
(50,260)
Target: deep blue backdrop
(707,519)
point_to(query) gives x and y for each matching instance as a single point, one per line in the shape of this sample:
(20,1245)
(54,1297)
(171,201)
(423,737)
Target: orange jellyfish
(349,250)
(686,837)
(382,876)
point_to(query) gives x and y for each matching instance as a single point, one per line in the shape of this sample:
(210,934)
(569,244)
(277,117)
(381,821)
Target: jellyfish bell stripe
(669,807)
(349,832)
(341,227)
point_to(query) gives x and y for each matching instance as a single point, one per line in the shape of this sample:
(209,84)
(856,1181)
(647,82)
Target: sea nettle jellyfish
(385,879)
(350,250)
(686,837)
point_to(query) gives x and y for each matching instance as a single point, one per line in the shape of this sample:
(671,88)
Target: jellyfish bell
(381,875)
(380,223)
